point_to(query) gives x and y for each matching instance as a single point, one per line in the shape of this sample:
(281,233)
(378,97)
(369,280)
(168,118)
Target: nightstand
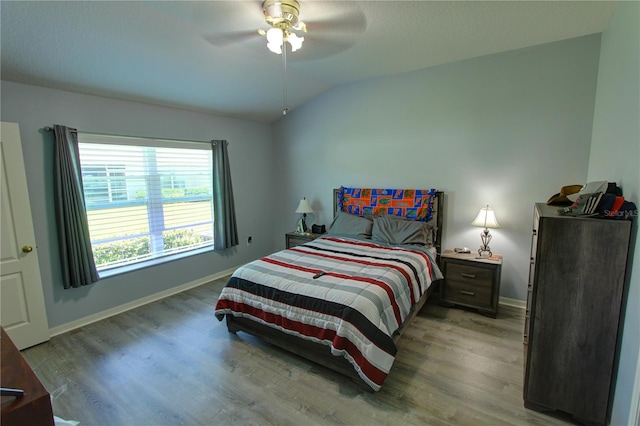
(295,239)
(471,282)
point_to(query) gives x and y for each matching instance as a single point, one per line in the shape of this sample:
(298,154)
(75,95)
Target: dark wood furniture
(574,304)
(320,353)
(34,407)
(471,282)
(295,239)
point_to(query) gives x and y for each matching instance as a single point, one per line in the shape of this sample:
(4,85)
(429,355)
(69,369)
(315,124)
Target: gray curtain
(76,255)
(225,232)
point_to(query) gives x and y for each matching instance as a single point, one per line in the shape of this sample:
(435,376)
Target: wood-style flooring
(172,363)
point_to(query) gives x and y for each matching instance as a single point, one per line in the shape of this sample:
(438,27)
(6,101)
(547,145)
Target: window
(104,183)
(145,198)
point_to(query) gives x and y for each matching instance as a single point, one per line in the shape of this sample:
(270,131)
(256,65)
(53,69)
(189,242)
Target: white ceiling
(207,56)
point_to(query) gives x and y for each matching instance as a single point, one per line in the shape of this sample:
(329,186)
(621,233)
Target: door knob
(27,249)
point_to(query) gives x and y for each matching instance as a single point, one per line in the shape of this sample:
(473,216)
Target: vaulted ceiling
(207,55)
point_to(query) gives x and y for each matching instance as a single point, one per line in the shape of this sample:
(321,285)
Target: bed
(344,299)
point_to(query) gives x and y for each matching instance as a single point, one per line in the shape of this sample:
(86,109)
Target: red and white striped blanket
(365,294)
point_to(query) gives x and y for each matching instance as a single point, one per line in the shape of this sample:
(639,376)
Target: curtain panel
(76,254)
(225,234)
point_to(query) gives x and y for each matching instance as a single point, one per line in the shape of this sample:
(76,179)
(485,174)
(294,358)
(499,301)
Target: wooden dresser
(34,408)
(575,293)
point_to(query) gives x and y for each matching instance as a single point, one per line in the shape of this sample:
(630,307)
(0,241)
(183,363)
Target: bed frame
(318,352)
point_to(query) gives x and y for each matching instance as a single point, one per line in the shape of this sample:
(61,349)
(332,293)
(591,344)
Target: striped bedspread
(365,294)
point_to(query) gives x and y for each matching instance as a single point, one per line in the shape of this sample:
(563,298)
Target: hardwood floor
(171,362)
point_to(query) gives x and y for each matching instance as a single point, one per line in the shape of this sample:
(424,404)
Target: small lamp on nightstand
(304,207)
(486,219)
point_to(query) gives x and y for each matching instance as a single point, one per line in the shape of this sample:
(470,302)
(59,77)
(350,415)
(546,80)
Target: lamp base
(485,251)
(302,226)
(484,254)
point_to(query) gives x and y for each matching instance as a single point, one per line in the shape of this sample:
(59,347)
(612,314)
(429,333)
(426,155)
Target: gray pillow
(395,230)
(350,225)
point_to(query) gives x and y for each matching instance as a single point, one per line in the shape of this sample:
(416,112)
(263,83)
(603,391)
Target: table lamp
(486,219)
(304,207)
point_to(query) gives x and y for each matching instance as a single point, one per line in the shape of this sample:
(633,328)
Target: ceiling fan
(333,29)
(283,17)
(333,26)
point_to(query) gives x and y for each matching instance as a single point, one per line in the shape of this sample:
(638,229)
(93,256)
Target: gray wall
(507,130)
(250,155)
(615,156)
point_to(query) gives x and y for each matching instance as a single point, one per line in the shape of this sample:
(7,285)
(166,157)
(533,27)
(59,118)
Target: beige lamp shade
(304,207)
(486,218)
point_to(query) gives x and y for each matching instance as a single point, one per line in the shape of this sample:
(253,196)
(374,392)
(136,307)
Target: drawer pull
(467,275)
(468,293)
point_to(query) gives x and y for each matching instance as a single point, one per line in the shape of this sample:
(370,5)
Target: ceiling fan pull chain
(284,73)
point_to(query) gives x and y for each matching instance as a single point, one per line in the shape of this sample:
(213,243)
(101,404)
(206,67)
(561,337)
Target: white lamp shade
(295,41)
(486,218)
(274,35)
(304,207)
(275,48)
(274,40)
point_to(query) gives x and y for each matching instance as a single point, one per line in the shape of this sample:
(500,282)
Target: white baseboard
(515,303)
(66,327)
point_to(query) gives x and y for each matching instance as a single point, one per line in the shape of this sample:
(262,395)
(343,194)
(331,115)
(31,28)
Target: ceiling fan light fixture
(282,16)
(281,12)
(275,48)
(294,41)
(275,37)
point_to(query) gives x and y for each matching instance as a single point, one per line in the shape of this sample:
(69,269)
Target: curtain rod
(214,141)
(51,129)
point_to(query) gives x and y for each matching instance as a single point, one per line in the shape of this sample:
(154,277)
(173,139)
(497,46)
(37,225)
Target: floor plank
(171,363)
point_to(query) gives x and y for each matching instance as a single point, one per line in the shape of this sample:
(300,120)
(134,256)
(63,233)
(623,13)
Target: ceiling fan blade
(334,17)
(314,48)
(354,24)
(332,28)
(229,22)
(232,37)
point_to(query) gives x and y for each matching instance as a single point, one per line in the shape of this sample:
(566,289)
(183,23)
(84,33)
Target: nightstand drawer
(469,292)
(295,239)
(469,275)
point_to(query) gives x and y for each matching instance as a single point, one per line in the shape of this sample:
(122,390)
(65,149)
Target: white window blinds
(145,198)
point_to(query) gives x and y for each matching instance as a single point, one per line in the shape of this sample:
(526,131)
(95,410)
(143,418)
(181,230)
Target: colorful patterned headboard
(412,204)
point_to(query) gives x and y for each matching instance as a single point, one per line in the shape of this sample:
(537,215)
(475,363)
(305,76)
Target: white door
(22,310)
